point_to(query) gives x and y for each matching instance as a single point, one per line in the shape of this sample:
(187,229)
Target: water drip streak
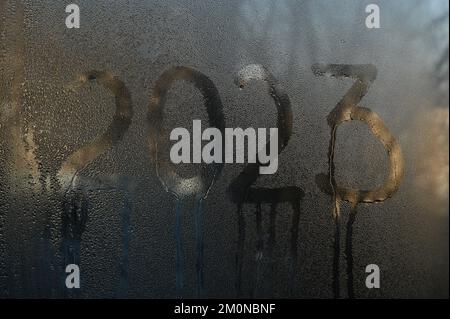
(335,202)
(199,245)
(336,257)
(179,246)
(74,218)
(349,251)
(240,249)
(259,248)
(345,111)
(271,245)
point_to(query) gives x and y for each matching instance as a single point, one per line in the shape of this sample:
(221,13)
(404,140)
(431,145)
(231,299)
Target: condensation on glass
(85,178)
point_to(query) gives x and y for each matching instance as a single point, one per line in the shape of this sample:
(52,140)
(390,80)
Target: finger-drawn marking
(75,199)
(183,188)
(82,157)
(347,110)
(240,190)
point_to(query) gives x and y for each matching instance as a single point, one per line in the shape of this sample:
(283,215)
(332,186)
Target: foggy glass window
(86,177)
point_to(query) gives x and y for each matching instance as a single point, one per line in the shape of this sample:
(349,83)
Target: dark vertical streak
(239,249)
(199,245)
(179,248)
(271,244)
(259,196)
(349,251)
(335,210)
(74,218)
(336,258)
(259,248)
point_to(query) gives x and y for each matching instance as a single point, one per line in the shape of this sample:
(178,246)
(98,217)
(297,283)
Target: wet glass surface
(363,157)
